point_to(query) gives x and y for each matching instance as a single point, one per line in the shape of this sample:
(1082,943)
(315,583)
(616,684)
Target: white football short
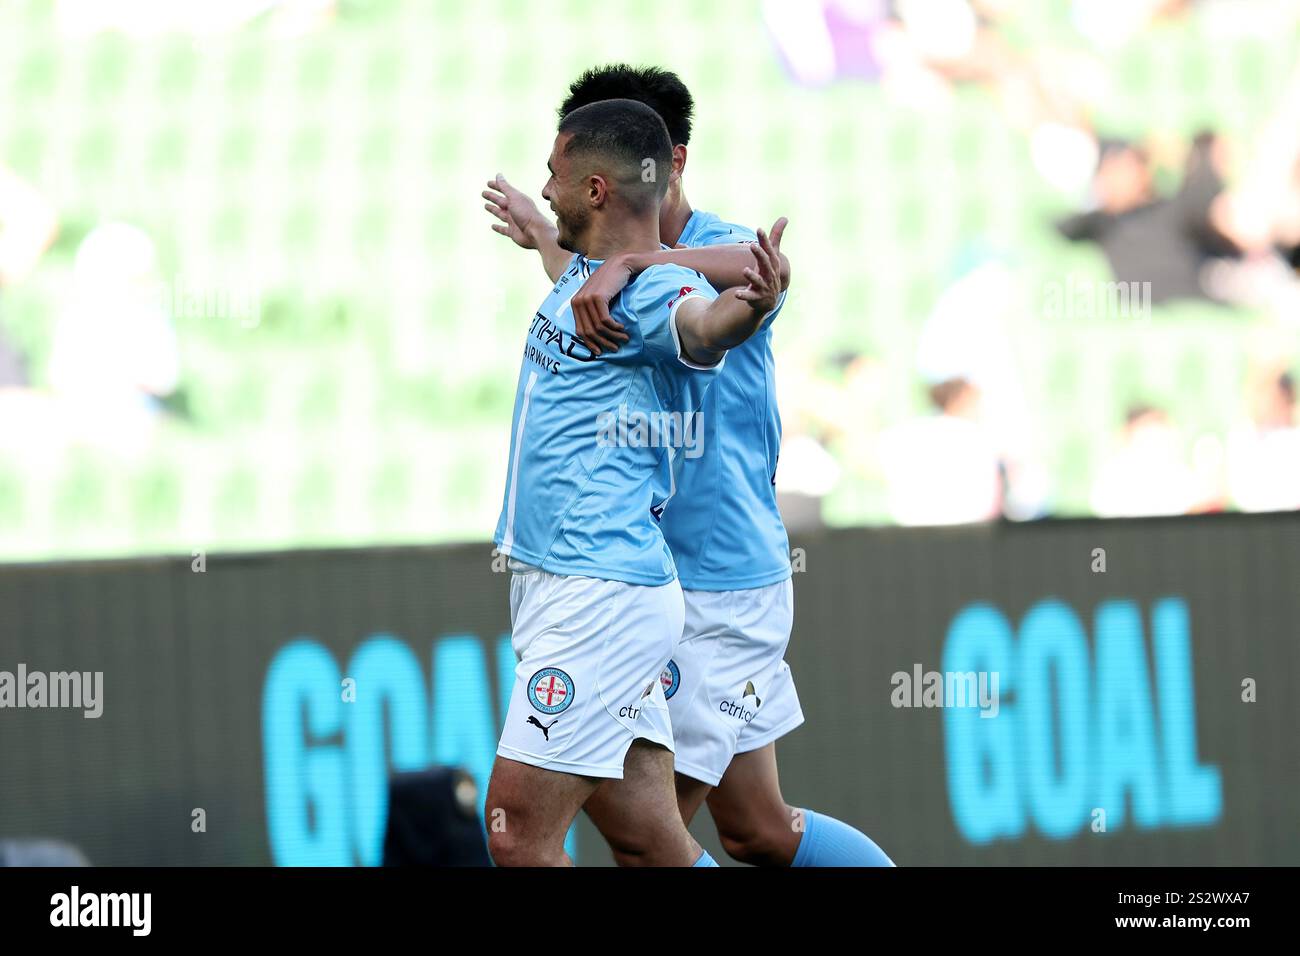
(728,687)
(590,654)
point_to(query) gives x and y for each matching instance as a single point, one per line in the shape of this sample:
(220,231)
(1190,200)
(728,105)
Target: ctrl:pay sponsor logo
(102,909)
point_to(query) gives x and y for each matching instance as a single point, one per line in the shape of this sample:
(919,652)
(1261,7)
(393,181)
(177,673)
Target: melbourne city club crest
(671,678)
(550,690)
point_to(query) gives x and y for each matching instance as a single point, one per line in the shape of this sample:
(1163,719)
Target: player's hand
(765,276)
(591,318)
(519,215)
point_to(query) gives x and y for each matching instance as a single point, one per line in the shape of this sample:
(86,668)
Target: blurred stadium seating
(336,174)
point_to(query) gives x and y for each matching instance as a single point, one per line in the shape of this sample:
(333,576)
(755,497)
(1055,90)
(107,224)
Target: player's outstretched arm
(525,225)
(706,332)
(723,265)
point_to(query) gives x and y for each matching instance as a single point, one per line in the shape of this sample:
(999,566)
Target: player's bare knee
(512,848)
(627,840)
(649,838)
(759,840)
(505,848)
(643,840)
(741,845)
(628,854)
(750,846)
(506,830)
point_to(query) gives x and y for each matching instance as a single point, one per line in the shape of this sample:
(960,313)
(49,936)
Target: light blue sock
(829,842)
(704,860)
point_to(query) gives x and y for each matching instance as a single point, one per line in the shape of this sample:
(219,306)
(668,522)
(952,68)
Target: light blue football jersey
(722,524)
(591,436)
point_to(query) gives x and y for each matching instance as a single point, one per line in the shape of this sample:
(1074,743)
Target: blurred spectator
(943,469)
(974,460)
(919,50)
(1261,214)
(115,352)
(858,412)
(28,225)
(1264,451)
(823,41)
(1146,238)
(806,471)
(968,337)
(1146,473)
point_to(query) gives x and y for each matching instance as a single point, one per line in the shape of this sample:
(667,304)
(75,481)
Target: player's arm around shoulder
(722,257)
(706,330)
(721,260)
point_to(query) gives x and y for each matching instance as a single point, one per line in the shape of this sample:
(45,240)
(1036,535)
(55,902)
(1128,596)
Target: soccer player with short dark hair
(595,605)
(730,693)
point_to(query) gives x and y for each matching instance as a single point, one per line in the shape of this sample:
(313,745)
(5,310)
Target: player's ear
(679,161)
(597,191)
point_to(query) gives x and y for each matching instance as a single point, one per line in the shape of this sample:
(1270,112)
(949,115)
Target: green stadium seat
(235,505)
(38,75)
(156,499)
(80,497)
(313,500)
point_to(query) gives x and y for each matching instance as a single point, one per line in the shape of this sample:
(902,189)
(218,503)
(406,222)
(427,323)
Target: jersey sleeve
(727,233)
(655,297)
(730,233)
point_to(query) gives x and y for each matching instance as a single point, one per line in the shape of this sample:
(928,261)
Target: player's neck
(627,235)
(674,214)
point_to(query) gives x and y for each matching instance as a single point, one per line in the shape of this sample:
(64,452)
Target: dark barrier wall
(1138,680)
